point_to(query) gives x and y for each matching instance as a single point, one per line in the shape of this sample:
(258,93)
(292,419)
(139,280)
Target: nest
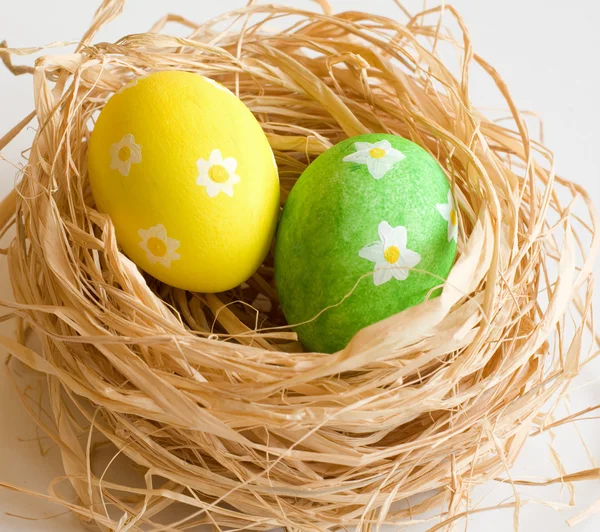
(211,396)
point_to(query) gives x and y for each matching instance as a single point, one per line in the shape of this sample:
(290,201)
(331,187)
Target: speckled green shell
(348,210)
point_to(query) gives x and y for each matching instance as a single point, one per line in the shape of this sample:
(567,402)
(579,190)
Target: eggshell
(188,178)
(368,230)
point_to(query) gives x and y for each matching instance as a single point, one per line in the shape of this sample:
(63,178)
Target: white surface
(546,50)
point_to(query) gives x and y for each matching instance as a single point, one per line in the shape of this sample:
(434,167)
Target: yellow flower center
(157,247)
(391,254)
(124,153)
(218,173)
(377,153)
(453,219)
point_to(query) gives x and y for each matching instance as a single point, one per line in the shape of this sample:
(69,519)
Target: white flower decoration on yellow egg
(449,214)
(158,246)
(391,256)
(217,174)
(379,157)
(125,153)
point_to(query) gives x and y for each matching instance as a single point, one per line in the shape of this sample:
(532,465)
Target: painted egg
(369,229)
(188,178)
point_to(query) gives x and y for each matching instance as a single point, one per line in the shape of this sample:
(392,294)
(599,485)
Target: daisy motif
(125,153)
(217,174)
(449,214)
(158,246)
(379,157)
(391,256)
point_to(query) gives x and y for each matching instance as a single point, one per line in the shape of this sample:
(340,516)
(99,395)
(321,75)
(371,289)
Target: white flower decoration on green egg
(158,246)
(125,153)
(391,256)
(449,214)
(379,157)
(217,174)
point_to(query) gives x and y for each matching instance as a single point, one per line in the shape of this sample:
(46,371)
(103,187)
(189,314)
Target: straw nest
(211,396)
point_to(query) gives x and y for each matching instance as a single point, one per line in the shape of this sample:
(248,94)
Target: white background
(547,52)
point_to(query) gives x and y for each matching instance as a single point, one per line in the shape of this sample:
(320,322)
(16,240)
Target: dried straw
(211,395)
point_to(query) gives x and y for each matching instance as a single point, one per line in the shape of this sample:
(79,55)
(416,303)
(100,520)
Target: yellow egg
(188,178)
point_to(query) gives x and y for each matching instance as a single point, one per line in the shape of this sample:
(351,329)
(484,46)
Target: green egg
(373,216)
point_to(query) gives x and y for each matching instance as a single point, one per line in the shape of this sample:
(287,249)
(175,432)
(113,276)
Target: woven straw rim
(210,395)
